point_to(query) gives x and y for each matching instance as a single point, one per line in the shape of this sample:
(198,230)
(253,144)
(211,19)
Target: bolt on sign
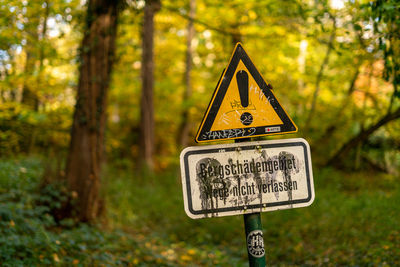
(249,177)
(243,105)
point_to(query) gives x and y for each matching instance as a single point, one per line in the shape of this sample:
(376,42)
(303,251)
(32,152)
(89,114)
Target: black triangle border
(204,134)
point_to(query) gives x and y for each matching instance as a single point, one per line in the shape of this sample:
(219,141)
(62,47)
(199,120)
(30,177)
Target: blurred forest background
(98,98)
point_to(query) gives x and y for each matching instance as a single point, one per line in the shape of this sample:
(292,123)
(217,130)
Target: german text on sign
(249,177)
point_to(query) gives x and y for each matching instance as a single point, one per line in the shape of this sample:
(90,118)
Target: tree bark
(146,104)
(184,128)
(87,136)
(336,159)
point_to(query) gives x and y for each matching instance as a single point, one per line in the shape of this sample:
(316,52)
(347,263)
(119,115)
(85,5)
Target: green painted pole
(254,240)
(254,234)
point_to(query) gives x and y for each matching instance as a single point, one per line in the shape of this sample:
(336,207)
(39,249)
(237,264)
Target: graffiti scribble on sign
(240,182)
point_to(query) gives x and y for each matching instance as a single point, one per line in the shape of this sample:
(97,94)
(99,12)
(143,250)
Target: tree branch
(336,159)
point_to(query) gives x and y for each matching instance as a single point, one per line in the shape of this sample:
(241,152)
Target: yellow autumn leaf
(55,257)
(185,257)
(12,224)
(298,247)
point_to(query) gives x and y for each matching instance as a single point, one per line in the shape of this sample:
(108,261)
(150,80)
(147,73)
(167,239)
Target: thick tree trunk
(337,158)
(146,104)
(87,136)
(184,128)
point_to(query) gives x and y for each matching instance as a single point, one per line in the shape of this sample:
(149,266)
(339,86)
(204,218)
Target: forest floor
(354,221)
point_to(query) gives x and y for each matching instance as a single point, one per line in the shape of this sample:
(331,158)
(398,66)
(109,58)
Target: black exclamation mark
(242,79)
(243,84)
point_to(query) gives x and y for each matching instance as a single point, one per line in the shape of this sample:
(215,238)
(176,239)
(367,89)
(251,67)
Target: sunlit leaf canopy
(333,66)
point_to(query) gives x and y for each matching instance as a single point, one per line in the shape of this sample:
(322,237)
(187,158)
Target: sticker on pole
(232,179)
(255,244)
(243,105)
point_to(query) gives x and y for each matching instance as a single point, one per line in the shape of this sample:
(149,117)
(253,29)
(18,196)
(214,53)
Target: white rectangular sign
(246,177)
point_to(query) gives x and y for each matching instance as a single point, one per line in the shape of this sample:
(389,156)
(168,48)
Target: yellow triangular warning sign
(243,105)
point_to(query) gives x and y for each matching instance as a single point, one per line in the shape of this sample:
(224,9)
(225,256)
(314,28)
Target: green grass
(354,221)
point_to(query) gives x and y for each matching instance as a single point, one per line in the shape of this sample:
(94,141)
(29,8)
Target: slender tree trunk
(29,96)
(337,158)
(302,62)
(236,35)
(43,38)
(4,74)
(184,128)
(319,78)
(146,104)
(331,129)
(14,88)
(87,137)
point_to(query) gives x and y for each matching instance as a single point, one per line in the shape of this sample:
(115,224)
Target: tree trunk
(331,129)
(337,158)
(184,128)
(301,60)
(29,96)
(319,78)
(87,137)
(146,104)
(43,38)
(236,35)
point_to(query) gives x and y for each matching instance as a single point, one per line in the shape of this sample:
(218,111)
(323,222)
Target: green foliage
(288,43)
(30,236)
(23,129)
(387,12)
(353,221)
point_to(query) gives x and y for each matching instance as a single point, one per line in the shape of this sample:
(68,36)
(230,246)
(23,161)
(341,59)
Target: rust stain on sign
(250,177)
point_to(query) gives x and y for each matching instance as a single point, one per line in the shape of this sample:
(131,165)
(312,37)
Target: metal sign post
(254,234)
(254,239)
(245,178)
